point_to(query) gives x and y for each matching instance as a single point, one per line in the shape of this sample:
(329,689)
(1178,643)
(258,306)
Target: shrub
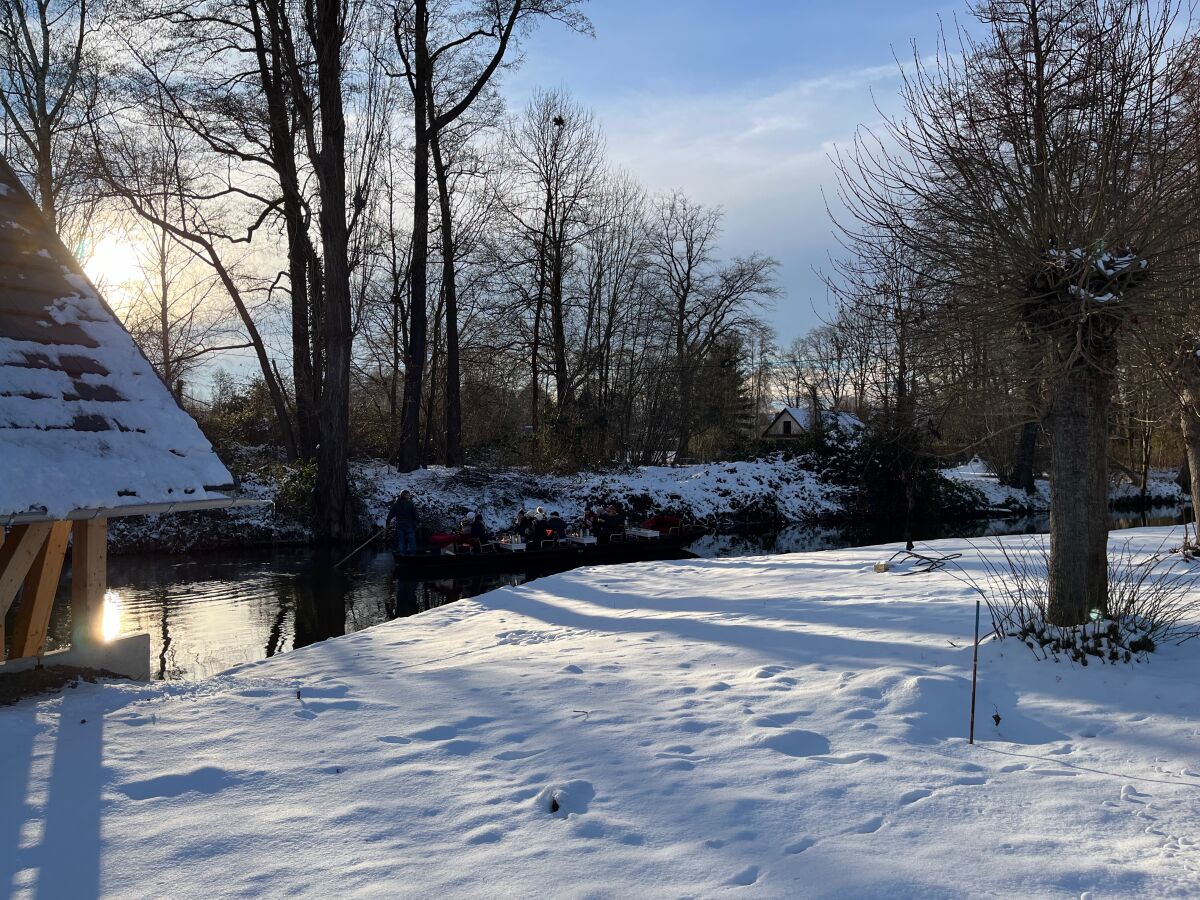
(1152,599)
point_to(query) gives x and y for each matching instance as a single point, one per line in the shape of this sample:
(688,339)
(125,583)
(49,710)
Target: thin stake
(974,674)
(363,544)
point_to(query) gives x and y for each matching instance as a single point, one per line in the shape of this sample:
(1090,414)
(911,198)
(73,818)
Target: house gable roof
(802,416)
(85,421)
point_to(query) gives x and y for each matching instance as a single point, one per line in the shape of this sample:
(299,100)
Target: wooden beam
(89,577)
(37,597)
(16,556)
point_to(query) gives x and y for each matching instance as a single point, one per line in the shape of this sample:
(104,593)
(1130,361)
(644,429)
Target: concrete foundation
(128,656)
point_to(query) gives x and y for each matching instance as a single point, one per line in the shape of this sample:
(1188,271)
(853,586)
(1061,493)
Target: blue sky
(739,104)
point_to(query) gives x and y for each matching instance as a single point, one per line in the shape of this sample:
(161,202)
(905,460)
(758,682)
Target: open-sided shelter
(88,430)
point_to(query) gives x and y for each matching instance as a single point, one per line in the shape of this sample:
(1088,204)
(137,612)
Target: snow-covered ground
(1162,488)
(786,726)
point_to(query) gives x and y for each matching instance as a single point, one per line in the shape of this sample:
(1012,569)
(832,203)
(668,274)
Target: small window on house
(787,426)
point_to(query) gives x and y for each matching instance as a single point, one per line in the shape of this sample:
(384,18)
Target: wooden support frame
(37,596)
(89,578)
(17,554)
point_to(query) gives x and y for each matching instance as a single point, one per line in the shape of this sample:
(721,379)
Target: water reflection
(207,612)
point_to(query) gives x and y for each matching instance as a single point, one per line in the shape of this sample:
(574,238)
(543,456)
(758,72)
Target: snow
(1162,488)
(773,726)
(705,491)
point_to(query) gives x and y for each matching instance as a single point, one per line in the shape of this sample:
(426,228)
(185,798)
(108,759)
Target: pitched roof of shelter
(86,424)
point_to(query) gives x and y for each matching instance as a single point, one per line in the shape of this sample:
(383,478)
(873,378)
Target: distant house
(795,421)
(88,431)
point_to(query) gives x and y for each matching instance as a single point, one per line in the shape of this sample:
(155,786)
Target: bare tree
(1036,171)
(48,89)
(431,39)
(703,302)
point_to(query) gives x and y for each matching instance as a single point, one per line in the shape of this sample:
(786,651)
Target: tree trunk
(1022,475)
(1078,427)
(1189,417)
(414,364)
(454,453)
(335,518)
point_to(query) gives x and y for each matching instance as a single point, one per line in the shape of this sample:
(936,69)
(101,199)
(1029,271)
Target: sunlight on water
(110,622)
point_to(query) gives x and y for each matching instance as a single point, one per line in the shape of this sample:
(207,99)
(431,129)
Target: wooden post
(89,564)
(37,597)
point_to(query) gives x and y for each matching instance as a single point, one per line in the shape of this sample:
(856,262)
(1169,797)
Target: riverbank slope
(763,493)
(772,726)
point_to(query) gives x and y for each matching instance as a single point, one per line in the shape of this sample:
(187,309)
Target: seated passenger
(614,521)
(555,526)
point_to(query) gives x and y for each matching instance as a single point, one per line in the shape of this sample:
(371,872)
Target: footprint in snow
(799,846)
(509,755)
(446,732)
(779,720)
(770,671)
(205,780)
(486,836)
(868,827)
(796,743)
(910,797)
(566,799)
(851,758)
(860,712)
(969,781)
(744,878)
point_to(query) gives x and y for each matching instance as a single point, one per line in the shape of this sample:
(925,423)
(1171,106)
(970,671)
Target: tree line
(336,187)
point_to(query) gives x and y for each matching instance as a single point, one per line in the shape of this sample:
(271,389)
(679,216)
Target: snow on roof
(85,422)
(830,418)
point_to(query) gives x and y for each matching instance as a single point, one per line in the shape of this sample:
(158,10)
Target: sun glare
(113,263)
(110,620)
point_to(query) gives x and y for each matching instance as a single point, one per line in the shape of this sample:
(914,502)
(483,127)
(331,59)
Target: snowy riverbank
(734,493)
(1161,489)
(763,492)
(769,727)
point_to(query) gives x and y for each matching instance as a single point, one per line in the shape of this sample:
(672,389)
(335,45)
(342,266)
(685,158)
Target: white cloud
(761,154)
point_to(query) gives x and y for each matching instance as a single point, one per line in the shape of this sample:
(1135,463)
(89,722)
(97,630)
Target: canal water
(206,612)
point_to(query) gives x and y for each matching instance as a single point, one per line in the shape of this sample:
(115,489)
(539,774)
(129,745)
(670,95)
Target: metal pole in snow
(974,674)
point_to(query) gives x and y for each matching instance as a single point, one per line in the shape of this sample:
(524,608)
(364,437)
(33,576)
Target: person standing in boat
(478,530)
(404,513)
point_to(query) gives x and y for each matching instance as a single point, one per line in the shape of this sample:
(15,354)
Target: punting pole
(360,546)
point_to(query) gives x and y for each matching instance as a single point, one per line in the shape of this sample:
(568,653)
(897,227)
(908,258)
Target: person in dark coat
(555,525)
(404,514)
(477,529)
(614,521)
